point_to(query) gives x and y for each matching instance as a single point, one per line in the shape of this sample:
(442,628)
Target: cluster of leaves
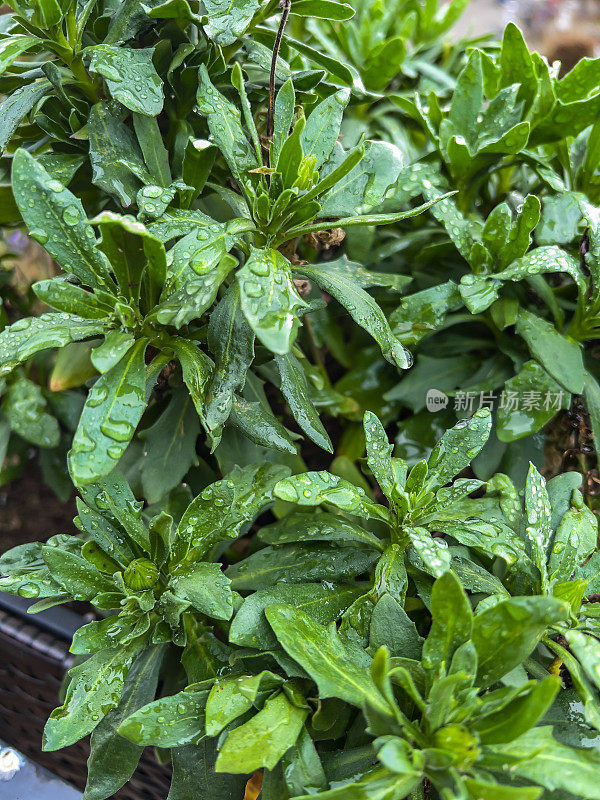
(351,654)
(262,234)
(513,257)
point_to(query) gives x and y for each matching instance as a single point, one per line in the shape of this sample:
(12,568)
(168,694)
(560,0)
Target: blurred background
(564,30)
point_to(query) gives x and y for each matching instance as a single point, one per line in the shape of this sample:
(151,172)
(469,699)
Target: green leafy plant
(319,357)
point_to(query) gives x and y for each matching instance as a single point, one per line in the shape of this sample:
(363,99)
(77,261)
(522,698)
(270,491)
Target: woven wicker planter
(34,656)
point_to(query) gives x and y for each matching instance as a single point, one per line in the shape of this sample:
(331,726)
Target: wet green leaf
(559,355)
(269,299)
(26,410)
(316,488)
(130,77)
(339,667)
(95,687)
(206,588)
(363,309)
(324,602)
(115,155)
(56,218)
(538,757)
(169,722)
(110,416)
(262,740)
(294,385)
(17,105)
(506,633)
(299,563)
(113,760)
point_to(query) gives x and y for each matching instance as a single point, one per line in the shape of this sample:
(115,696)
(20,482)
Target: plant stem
(314,346)
(286,5)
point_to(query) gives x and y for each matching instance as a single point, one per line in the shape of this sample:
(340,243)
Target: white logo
(436,400)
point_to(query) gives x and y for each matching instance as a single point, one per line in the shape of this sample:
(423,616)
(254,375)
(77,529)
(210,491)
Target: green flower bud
(462,745)
(141,574)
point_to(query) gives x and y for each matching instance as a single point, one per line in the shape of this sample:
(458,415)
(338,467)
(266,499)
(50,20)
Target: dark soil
(31,512)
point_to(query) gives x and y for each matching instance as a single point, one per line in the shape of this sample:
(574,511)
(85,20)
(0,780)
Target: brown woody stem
(286,5)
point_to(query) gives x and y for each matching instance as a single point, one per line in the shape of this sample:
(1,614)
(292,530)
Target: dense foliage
(286,233)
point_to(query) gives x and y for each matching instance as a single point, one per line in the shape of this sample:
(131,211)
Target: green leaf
(458,447)
(587,651)
(592,398)
(339,667)
(76,575)
(17,105)
(483,790)
(537,756)
(110,416)
(384,63)
(505,634)
(323,125)
(269,299)
(560,219)
(452,620)
(26,410)
(228,19)
(55,217)
(300,527)
(516,718)
(128,246)
(323,9)
(112,759)
(324,602)
(231,697)
(169,447)
(392,627)
(538,398)
(155,153)
(332,65)
(65,296)
(538,529)
(194,775)
(294,385)
(115,155)
(262,740)
(519,236)
(297,563)
(199,265)
(575,538)
(316,488)
(378,784)
(285,103)
(205,587)
(95,687)
(290,156)
(260,425)
(108,537)
(231,341)
(14,46)
(196,368)
(559,355)
(130,76)
(26,574)
(362,308)
(224,123)
(580,81)
(379,452)
(169,722)
(362,220)
(467,101)
(433,553)
(224,508)
(543,260)
(302,766)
